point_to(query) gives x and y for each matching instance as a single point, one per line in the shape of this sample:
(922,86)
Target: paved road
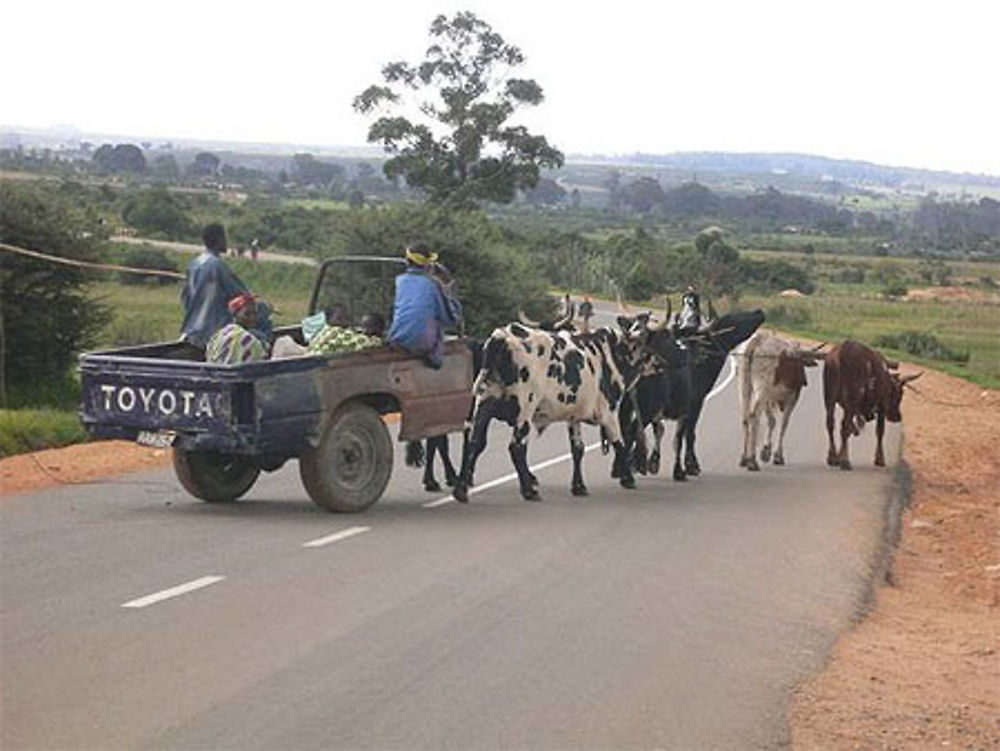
(264,255)
(674,616)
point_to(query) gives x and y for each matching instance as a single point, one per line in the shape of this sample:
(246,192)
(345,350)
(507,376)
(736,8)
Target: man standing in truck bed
(209,287)
(423,307)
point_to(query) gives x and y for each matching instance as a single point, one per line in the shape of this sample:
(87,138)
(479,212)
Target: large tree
(444,120)
(46,312)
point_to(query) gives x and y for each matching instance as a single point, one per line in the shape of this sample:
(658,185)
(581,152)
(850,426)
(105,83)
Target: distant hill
(804,165)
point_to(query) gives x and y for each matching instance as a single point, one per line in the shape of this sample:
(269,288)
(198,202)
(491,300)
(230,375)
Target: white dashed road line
(166,594)
(335,537)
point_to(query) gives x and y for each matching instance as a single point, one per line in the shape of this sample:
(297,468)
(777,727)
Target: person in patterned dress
(237,342)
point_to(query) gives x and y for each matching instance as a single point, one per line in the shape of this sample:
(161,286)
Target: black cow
(708,355)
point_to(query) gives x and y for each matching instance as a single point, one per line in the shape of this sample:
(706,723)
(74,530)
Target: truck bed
(273,408)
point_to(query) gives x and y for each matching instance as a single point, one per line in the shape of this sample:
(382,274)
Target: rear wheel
(214,477)
(349,469)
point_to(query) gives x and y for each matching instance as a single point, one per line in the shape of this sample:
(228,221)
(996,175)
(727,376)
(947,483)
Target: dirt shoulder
(922,670)
(75,464)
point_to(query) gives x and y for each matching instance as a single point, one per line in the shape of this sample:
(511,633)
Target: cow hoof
(779,459)
(752,465)
(533,480)
(846,465)
(580,490)
(450,480)
(530,494)
(461,493)
(432,486)
(692,467)
(628,483)
(743,461)
(765,454)
(654,464)
(880,461)
(680,476)
(832,460)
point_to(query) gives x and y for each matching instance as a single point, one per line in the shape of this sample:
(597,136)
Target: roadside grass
(24,430)
(962,327)
(152,312)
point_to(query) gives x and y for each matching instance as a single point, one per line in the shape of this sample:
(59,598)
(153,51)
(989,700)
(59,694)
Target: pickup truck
(227,423)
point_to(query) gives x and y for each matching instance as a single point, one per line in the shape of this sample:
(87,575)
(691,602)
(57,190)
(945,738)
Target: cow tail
(414,454)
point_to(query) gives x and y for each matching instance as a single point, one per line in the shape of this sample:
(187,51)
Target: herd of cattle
(645,371)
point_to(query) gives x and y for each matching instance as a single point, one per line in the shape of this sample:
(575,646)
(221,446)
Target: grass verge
(24,430)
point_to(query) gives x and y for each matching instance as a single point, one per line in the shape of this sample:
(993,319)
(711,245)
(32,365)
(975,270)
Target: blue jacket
(421,312)
(209,287)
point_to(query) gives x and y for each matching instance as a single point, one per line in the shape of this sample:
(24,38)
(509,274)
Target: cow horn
(567,319)
(912,377)
(711,310)
(662,325)
(818,347)
(527,321)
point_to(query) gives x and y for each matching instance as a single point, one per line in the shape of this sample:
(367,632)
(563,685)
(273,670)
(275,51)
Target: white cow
(771,372)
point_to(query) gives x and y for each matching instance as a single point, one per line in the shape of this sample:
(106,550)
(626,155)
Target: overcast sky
(900,83)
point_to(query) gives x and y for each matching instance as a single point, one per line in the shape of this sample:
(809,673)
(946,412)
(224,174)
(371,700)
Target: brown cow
(858,378)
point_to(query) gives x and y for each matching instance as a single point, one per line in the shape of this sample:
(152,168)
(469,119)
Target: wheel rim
(229,468)
(353,458)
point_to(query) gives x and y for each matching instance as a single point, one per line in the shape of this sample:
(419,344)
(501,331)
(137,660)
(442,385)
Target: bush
(47,314)
(895,290)
(920,344)
(774,276)
(788,315)
(147,257)
(493,275)
(23,430)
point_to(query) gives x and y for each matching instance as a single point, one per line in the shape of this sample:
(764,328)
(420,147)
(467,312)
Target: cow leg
(846,430)
(431,485)
(786,414)
(640,451)
(475,444)
(518,449)
(832,458)
(654,459)
(450,476)
(765,451)
(879,432)
(576,446)
(680,473)
(627,479)
(752,426)
(691,465)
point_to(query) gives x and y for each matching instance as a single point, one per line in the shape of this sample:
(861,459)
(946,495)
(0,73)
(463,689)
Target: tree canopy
(444,121)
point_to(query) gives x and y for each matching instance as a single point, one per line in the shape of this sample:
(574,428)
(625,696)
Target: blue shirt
(209,287)
(420,314)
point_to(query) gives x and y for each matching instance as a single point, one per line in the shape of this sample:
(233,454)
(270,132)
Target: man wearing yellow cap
(423,308)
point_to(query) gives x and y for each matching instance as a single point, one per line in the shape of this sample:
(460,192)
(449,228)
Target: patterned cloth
(233,344)
(333,339)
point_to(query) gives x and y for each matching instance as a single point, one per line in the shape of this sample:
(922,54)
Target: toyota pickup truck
(227,423)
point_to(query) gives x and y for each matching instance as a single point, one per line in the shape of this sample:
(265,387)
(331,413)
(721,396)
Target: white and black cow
(771,373)
(534,377)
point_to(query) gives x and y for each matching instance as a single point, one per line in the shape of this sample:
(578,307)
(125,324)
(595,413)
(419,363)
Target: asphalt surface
(677,615)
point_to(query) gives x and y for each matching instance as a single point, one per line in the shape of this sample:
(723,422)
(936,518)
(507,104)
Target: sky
(897,83)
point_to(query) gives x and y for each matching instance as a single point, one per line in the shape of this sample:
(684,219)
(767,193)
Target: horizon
(887,84)
(324,150)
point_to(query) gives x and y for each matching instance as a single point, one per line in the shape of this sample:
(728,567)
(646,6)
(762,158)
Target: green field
(972,328)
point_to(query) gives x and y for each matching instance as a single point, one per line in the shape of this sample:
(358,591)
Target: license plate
(158,439)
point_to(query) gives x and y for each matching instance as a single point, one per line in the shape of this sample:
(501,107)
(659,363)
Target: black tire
(214,477)
(349,469)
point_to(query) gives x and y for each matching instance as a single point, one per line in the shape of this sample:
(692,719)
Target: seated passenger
(237,342)
(423,308)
